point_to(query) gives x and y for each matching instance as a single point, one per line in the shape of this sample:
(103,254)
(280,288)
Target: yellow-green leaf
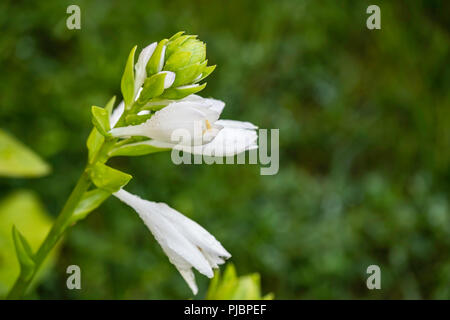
(16,160)
(107,178)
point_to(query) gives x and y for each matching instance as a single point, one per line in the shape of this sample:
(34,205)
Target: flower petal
(236,124)
(194,232)
(213,104)
(184,241)
(228,142)
(140,72)
(178,115)
(116,114)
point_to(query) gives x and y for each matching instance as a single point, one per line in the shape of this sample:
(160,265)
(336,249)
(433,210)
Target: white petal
(180,250)
(228,142)
(236,124)
(194,232)
(189,277)
(161,61)
(116,114)
(141,64)
(213,104)
(178,115)
(169,79)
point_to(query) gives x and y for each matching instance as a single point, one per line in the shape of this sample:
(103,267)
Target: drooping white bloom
(185,242)
(197,118)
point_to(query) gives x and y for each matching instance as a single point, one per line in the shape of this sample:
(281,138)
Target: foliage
(23,210)
(232,287)
(16,160)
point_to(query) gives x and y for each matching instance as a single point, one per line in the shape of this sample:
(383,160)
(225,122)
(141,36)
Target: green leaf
(232,287)
(23,209)
(107,178)
(156,62)
(135,149)
(181,92)
(153,87)
(16,160)
(91,200)
(213,286)
(100,119)
(127,82)
(24,255)
(248,288)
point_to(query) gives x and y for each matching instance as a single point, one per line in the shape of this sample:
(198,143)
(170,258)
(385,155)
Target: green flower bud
(185,55)
(169,69)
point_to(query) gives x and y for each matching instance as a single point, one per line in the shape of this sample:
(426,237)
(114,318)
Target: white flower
(184,241)
(199,118)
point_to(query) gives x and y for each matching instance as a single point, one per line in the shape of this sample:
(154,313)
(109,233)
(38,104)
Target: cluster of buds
(167,70)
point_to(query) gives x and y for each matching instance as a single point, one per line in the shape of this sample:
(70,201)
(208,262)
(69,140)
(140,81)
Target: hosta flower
(192,125)
(184,241)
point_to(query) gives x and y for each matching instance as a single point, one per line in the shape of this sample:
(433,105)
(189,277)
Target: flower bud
(184,55)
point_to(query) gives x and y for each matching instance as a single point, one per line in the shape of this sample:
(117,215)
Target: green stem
(59,227)
(62,221)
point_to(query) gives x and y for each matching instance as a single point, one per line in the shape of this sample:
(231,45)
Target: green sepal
(178,60)
(24,255)
(197,48)
(107,178)
(135,149)
(153,87)
(154,64)
(181,92)
(134,119)
(175,44)
(100,119)
(206,72)
(187,75)
(110,105)
(90,201)
(95,140)
(176,35)
(127,82)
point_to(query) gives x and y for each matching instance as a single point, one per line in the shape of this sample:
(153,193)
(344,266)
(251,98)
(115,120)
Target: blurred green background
(364,121)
